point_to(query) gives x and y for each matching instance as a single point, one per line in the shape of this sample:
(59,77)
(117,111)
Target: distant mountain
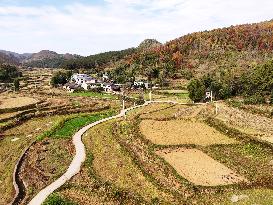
(44,58)
(19,57)
(47,59)
(8,58)
(236,47)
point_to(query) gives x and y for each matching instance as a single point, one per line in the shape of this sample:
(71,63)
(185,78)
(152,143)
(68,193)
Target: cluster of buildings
(86,82)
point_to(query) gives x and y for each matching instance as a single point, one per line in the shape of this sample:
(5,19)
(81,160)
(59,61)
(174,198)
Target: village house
(82,78)
(110,87)
(71,87)
(90,86)
(141,84)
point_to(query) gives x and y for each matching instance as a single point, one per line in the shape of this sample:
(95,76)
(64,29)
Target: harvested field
(199,168)
(178,132)
(154,107)
(109,175)
(253,124)
(113,164)
(14,102)
(171,112)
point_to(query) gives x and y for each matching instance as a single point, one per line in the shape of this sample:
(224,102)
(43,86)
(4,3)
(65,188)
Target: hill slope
(237,47)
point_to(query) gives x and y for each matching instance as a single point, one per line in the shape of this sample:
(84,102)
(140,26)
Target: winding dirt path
(78,159)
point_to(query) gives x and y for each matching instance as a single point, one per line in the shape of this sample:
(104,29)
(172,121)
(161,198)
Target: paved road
(78,159)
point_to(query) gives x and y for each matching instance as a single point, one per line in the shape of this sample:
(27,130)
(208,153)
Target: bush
(97,90)
(55,199)
(8,73)
(196,90)
(60,78)
(255,99)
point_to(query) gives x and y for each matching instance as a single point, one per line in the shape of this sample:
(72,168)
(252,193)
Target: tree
(60,78)
(16,83)
(8,73)
(196,90)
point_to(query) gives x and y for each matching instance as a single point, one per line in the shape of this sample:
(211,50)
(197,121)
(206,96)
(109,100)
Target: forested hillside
(236,47)
(97,62)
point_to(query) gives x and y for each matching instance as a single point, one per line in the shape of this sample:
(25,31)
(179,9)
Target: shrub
(55,199)
(196,90)
(60,78)
(254,99)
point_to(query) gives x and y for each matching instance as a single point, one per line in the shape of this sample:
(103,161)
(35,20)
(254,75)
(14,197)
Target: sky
(87,27)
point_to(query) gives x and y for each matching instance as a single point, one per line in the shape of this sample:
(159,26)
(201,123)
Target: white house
(83,78)
(88,85)
(107,87)
(105,77)
(71,87)
(141,84)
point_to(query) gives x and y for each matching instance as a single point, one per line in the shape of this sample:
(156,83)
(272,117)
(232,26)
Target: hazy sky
(91,26)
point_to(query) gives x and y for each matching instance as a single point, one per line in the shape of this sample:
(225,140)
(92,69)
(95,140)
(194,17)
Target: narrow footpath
(78,159)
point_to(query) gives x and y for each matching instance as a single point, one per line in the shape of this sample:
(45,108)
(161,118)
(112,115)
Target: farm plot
(199,168)
(176,132)
(255,125)
(109,174)
(14,142)
(170,112)
(14,102)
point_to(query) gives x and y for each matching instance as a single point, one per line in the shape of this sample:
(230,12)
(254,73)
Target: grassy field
(110,174)
(124,166)
(55,199)
(72,125)
(56,127)
(95,95)
(10,151)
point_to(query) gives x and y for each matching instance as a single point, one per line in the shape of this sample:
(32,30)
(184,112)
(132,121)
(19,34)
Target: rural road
(77,161)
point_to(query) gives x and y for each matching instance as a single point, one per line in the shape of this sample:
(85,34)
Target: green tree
(196,90)
(59,78)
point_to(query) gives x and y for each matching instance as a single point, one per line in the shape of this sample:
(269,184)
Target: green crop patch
(94,95)
(56,199)
(72,125)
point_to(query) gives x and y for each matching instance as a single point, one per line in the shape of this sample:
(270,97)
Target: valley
(185,122)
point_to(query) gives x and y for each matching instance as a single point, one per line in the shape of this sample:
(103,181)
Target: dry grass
(199,168)
(178,132)
(84,197)
(112,164)
(253,124)
(171,111)
(44,163)
(11,151)
(14,102)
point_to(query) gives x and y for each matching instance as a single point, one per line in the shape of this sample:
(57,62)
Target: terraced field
(159,154)
(217,164)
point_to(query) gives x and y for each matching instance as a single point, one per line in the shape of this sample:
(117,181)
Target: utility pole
(150,95)
(216,108)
